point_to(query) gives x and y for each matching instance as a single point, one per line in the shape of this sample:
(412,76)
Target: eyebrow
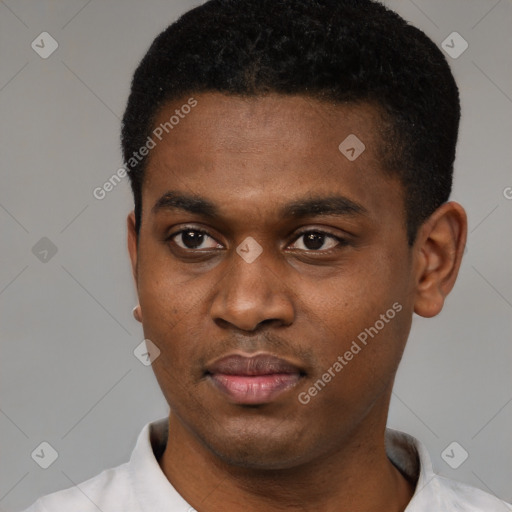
(333,205)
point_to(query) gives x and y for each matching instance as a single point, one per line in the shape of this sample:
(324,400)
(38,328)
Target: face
(273,274)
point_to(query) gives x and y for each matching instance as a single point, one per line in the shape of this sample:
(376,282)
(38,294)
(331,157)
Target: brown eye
(318,241)
(193,239)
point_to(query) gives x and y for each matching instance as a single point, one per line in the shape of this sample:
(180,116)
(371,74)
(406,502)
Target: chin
(254,447)
(254,456)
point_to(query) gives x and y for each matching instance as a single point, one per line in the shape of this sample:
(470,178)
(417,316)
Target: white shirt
(141,486)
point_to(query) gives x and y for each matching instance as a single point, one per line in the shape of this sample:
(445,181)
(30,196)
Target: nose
(251,294)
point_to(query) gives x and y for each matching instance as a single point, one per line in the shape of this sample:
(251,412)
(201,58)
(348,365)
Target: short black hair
(341,51)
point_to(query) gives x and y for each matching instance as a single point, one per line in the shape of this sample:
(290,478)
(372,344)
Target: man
(290,216)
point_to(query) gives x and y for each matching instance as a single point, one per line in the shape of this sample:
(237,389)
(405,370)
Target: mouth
(253,380)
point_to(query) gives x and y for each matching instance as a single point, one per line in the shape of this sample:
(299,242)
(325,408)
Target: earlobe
(137,313)
(438,254)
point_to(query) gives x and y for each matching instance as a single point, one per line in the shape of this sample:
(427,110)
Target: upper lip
(261,364)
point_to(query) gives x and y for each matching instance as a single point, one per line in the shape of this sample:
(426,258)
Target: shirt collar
(155,492)
(412,459)
(152,489)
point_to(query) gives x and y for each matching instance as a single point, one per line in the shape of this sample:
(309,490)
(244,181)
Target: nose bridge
(252,292)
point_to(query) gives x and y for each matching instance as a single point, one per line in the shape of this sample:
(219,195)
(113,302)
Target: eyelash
(342,242)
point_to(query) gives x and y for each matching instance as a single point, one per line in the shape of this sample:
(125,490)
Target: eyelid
(188,228)
(321,231)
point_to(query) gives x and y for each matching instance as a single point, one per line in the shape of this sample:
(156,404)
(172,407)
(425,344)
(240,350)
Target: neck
(356,476)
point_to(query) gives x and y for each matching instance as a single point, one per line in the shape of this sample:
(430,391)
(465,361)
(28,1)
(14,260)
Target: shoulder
(432,491)
(108,491)
(117,488)
(459,496)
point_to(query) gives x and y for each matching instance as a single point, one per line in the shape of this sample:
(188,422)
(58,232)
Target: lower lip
(256,389)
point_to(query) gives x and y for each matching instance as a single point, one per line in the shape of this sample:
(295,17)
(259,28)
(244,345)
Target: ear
(132,243)
(438,254)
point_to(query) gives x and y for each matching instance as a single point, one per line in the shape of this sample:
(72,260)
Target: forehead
(266,151)
(252,124)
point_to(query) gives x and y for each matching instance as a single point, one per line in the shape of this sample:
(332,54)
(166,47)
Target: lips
(253,380)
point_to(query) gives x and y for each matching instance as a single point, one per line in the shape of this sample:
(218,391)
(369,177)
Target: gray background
(68,373)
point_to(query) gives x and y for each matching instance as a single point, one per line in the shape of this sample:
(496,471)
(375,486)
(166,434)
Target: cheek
(353,298)
(363,327)
(166,293)
(172,320)
(165,308)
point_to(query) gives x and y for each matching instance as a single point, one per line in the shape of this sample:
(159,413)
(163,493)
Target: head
(258,228)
